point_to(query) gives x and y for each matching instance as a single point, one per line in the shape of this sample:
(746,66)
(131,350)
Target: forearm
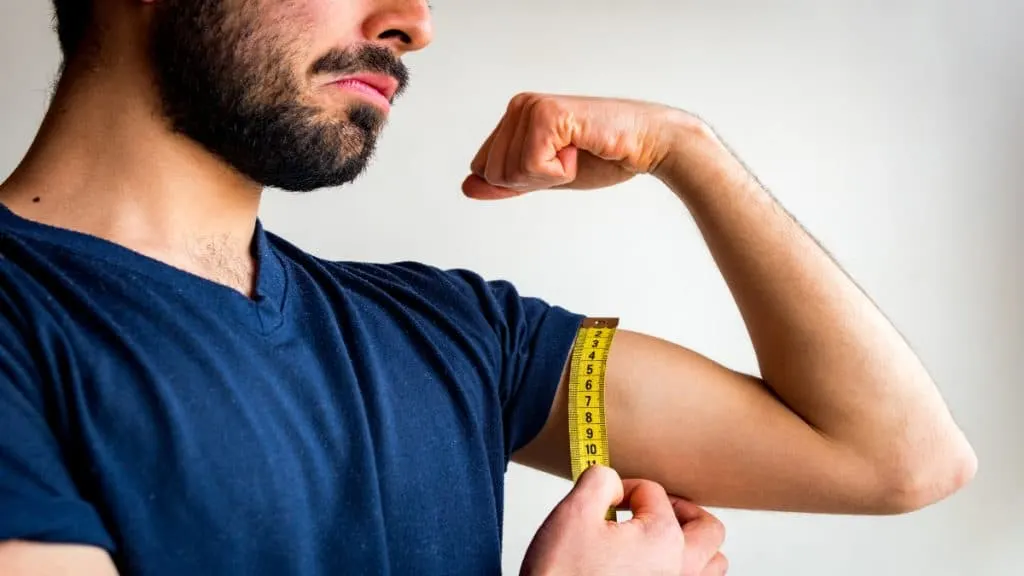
(22,558)
(821,344)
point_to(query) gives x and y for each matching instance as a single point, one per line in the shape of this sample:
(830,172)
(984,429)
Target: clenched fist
(548,141)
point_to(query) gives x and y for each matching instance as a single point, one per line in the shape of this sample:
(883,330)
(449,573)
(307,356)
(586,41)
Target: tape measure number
(588,430)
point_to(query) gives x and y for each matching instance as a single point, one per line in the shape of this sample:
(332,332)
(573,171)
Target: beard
(229,85)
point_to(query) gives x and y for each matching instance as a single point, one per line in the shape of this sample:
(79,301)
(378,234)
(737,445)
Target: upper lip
(382,83)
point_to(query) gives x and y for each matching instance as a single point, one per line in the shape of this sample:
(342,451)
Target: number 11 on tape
(588,431)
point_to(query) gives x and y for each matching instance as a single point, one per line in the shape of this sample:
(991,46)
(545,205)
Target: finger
(544,150)
(648,502)
(477,188)
(516,172)
(495,171)
(479,162)
(591,171)
(718,566)
(687,511)
(703,532)
(596,490)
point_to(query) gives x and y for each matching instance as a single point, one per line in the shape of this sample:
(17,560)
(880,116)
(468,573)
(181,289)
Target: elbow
(917,483)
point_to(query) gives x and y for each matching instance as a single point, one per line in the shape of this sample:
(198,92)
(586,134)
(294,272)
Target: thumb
(596,490)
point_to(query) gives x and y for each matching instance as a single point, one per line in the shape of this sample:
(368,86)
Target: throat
(223,260)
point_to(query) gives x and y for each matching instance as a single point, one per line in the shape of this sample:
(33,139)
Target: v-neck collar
(263,310)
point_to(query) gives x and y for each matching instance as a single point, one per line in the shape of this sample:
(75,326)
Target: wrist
(693,160)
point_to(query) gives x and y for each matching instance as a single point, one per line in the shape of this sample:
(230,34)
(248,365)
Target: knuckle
(614,143)
(533,167)
(719,565)
(718,529)
(715,529)
(548,107)
(656,487)
(521,100)
(711,532)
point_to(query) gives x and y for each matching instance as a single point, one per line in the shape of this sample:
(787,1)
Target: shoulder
(454,296)
(447,284)
(22,321)
(414,283)
(23,296)
(457,295)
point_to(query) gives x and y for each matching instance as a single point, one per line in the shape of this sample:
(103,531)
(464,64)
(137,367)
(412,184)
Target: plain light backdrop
(892,130)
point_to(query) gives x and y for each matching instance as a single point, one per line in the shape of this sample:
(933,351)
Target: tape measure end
(600,322)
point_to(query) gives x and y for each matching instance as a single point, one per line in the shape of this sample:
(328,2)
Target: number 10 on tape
(588,431)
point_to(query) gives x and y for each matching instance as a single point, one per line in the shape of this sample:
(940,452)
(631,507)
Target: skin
(842,418)
(666,535)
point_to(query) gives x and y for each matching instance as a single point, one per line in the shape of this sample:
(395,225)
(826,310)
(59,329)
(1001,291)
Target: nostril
(402,36)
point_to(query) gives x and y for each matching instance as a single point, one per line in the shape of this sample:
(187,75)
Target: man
(182,392)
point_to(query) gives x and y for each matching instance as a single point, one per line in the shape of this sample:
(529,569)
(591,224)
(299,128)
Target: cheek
(283,32)
(328,24)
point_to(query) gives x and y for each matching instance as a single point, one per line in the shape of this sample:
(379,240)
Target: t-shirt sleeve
(38,500)
(535,339)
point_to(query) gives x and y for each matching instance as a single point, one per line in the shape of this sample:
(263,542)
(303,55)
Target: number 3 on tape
(588,431)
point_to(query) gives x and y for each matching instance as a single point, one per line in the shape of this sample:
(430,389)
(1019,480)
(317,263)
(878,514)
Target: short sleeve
(38,500)
(535,339)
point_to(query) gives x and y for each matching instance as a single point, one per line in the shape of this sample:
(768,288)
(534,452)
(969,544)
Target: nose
(402,25)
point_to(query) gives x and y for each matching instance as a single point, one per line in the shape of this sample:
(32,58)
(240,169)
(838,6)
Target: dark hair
(71,20)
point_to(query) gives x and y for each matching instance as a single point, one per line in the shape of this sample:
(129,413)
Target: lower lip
(365,90)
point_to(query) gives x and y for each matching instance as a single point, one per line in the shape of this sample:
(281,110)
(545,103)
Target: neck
(106,163)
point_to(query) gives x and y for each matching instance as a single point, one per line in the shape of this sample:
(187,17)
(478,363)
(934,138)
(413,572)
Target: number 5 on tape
(588,431)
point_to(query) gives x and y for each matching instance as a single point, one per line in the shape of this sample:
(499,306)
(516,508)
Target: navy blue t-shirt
(349,418)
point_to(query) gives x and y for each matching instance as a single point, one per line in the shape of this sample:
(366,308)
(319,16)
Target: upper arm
(19,558)
(707,433)
(44,521)
(516,344)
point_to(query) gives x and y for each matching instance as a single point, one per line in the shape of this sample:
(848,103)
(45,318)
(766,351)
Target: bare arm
(19,558)
(844,419)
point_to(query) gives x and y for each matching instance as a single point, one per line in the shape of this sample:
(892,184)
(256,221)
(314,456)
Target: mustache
(368,58)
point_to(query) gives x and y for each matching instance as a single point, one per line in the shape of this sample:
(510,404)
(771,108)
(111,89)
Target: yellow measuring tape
(588,430)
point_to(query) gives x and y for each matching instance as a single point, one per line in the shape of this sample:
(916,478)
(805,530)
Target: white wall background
(892,130)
